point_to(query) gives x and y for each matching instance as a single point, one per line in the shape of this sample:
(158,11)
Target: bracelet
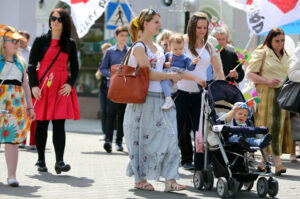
(29,109)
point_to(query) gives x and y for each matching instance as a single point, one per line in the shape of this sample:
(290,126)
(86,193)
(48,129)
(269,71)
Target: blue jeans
(167,84)
(251,141)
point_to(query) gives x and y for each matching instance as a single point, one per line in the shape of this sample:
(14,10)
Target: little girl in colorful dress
(16,110)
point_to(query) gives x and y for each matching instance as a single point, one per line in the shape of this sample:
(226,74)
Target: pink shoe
(173,186)
(144,186)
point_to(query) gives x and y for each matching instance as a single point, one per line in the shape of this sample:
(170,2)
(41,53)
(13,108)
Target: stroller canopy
(223,90)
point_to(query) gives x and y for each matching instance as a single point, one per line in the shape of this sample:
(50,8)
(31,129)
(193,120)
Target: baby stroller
(230,163)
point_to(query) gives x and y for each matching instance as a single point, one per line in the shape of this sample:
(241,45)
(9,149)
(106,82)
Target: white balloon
(289,45)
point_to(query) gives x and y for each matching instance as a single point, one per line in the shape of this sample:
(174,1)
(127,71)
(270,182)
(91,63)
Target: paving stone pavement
(96,174)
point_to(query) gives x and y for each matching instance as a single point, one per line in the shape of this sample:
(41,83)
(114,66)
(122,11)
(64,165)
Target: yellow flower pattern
(14,120)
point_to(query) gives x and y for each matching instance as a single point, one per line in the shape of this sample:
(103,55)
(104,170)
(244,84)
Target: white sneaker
(12,182)
(169,103)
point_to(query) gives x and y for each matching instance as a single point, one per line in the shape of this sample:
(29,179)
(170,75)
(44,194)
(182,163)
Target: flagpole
(41,91)
(221,9)
(134,15)
(247,45)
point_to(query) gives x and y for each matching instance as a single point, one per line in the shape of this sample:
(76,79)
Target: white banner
(239,4)
(263,15)
(85,13)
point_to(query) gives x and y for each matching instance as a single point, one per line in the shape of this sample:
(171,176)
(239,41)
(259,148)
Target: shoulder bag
(289,96)
(128,84)
(39,81)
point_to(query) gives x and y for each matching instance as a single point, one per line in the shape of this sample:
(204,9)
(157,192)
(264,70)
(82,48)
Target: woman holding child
(150,132)
(188,96)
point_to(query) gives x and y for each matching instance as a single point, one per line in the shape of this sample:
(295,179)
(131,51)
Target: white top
(157,61)
(25,53)
(294,69)
(203,69)
(11,72)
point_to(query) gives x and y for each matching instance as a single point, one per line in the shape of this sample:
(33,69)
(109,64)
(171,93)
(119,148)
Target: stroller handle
(240,130)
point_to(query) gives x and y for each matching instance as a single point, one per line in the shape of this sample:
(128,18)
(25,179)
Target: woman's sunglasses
(148,12)
(54,18)
(14,41)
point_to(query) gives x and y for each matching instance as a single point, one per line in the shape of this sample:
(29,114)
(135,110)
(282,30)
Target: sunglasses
(54,18)
(150,9)
(14,41)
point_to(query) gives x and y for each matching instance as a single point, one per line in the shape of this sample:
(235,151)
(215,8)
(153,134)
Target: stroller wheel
(240,185)
(222,187)
(198,180)
(232,187)
(262,187)
(273,187)
(248,185)
(208,179)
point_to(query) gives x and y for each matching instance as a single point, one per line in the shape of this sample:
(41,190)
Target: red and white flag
(263,15)
(85,13)
(239,4)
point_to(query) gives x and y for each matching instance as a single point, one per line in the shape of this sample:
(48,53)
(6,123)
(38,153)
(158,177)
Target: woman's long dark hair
(273,33)
(66,32)
(191,31)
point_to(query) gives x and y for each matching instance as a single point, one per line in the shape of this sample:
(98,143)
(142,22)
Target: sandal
(279,170)
(173,186)
(261,168)
(293,159)
(144,186)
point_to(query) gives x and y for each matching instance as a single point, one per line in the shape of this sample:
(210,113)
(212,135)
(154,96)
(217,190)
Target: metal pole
(134,15)
(221,9)
(186,21)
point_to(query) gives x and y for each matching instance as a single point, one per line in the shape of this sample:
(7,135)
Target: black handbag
(289,96)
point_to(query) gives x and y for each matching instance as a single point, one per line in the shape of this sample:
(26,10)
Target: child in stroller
(238,117)
(230,162)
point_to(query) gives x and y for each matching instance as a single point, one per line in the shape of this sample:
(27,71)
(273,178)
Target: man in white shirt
(24,48)
(25,51)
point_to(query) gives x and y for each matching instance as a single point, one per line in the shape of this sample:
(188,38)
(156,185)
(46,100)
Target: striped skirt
(14,119)
(276,119)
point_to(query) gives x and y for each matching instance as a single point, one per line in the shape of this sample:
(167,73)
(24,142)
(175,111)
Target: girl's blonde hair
(18,55)
(137,24)
(162,35)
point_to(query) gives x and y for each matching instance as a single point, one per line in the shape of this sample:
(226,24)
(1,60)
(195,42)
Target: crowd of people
(157,132)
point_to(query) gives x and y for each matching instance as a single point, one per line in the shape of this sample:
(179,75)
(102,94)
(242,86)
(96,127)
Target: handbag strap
(262,63)
(49,66)
(126,58)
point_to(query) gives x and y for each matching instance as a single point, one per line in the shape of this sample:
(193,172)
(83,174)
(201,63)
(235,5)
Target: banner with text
(85,13)
(263,15)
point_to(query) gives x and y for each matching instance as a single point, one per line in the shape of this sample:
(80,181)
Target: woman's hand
(65,90)
(273,82)
(175,77)
(200,82)
(31,114)
(36,91)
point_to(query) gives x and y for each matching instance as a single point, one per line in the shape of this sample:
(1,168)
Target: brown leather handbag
(128,84)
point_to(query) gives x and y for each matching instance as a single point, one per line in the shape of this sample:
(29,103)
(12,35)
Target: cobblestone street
(96,174)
